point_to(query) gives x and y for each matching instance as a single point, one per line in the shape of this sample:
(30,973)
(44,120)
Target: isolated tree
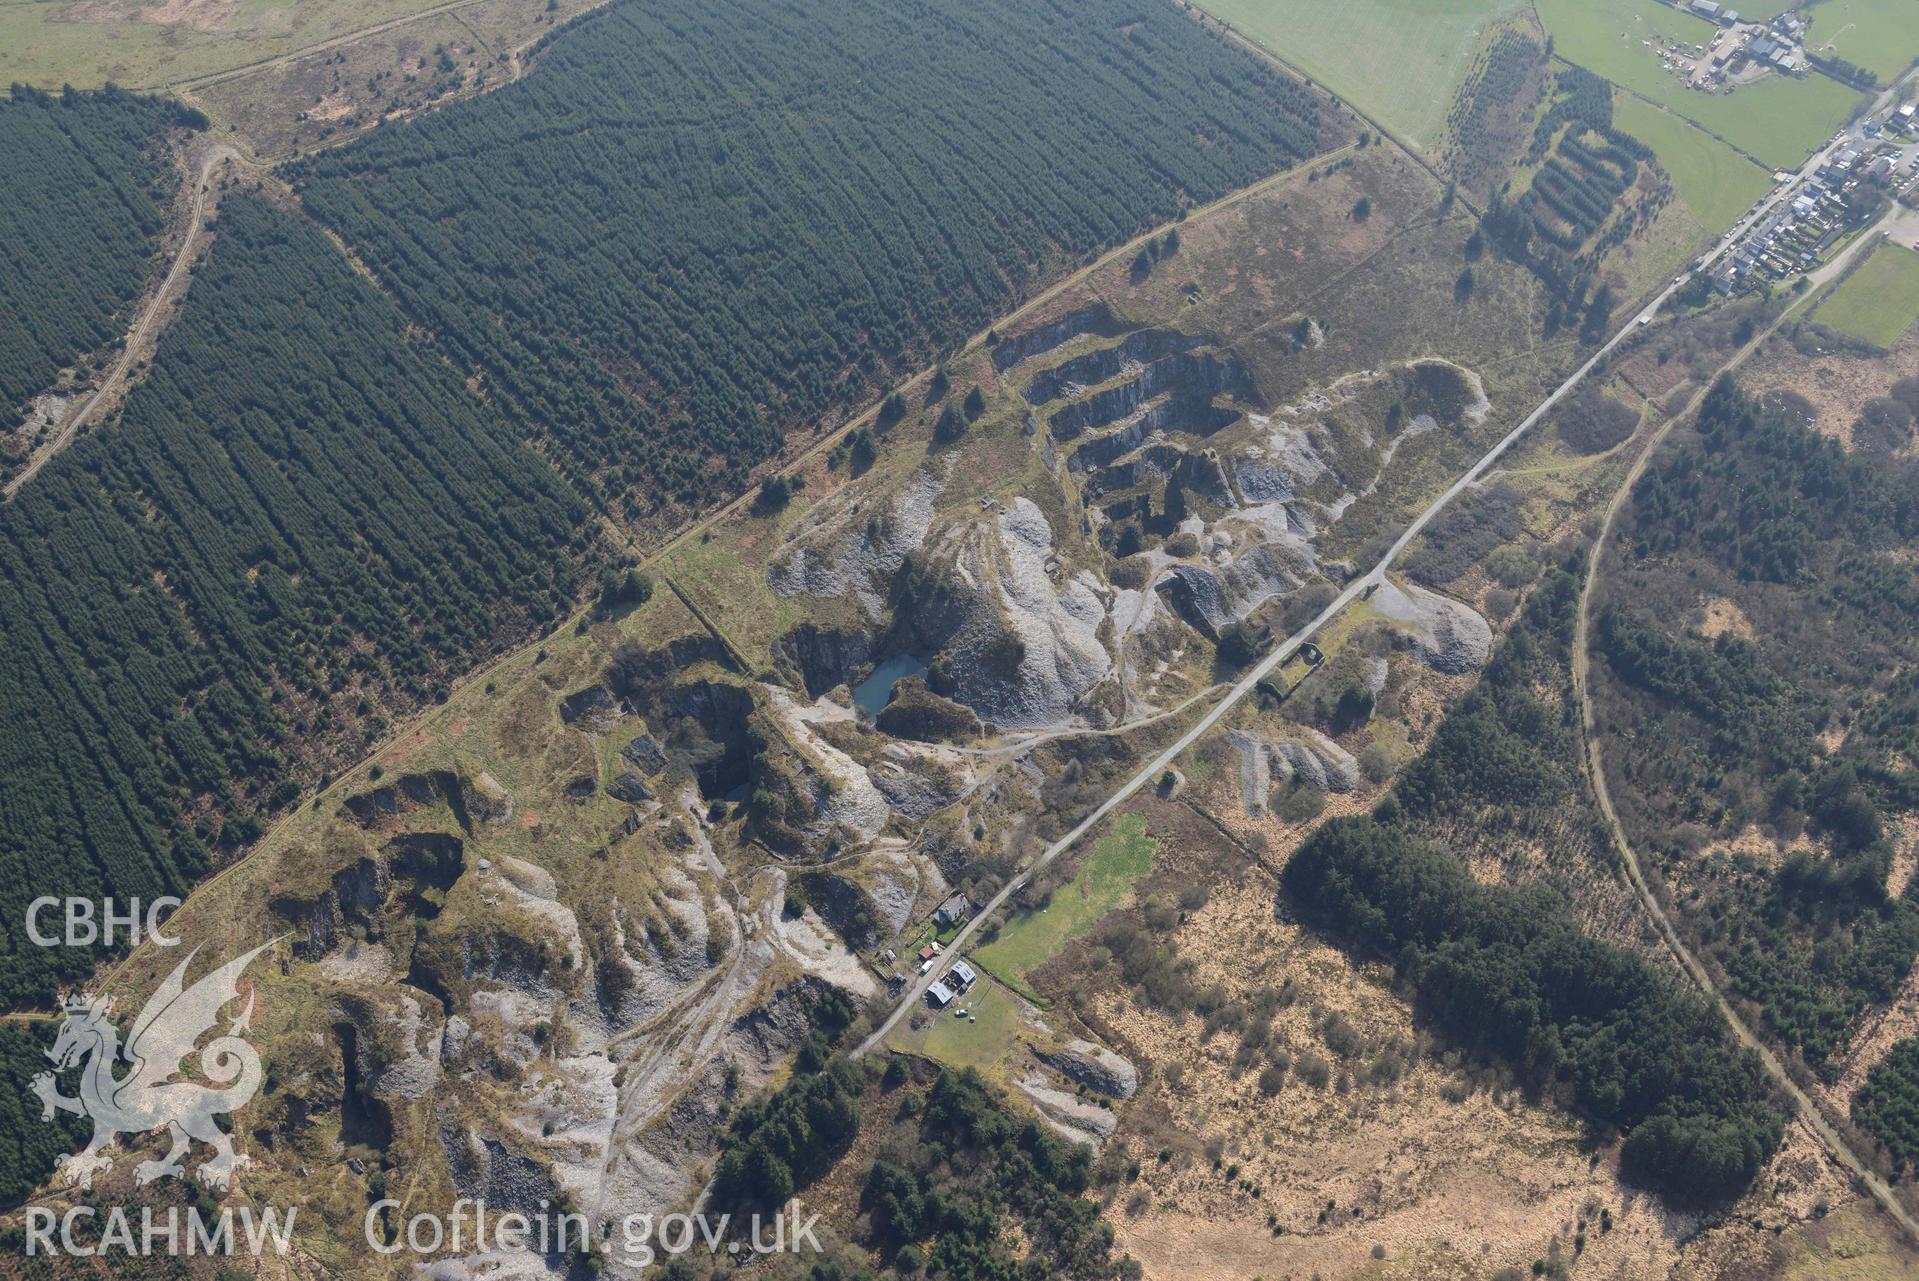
(776,491)
(892,409)
(1463,287)
(1598,314)
(1238,644)
(625,585)
(1362,209)
(975,404)
(1142,265)
(862,450)
(1170,245)
(936,388)
(949,426)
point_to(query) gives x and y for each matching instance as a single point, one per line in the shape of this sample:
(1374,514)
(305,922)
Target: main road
(1354,590)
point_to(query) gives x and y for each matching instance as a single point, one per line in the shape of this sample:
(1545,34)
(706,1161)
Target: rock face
(764,1036)
(720,752)
(823,657)
(645,754)
(1209,599)
(593,710)
(1103,363)
(403,795)
(629,787)
(844,905)
(485,800)
(1191,377)
(1448,636)
(1043,338)
(359,893)
(1093,1066)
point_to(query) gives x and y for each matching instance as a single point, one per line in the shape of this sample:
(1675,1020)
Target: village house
(955,909)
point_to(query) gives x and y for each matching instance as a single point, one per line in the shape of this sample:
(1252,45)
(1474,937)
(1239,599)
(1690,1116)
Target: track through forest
(1829,1137)
(143,325)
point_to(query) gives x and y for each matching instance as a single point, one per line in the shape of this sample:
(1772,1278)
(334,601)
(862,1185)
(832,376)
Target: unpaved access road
(142,327)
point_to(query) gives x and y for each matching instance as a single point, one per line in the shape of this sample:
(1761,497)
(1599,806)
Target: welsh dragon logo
(165,1033)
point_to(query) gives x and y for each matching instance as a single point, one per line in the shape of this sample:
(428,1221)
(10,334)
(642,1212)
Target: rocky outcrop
(355,894)
(916,712)
(358,894)
(1093,1066)
(629,787)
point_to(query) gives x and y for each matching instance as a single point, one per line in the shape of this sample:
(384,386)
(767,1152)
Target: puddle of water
(872,693)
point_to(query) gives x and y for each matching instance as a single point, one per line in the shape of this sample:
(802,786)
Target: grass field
(85,43)
(1879,301)
(1778,120)
(1400,61)
(1880,35)
(964,1043)
(1716,182)
(1107,872)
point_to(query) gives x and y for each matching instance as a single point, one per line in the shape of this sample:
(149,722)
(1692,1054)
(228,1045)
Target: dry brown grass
(1720,615)
(1446,1169)
(1838,384)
